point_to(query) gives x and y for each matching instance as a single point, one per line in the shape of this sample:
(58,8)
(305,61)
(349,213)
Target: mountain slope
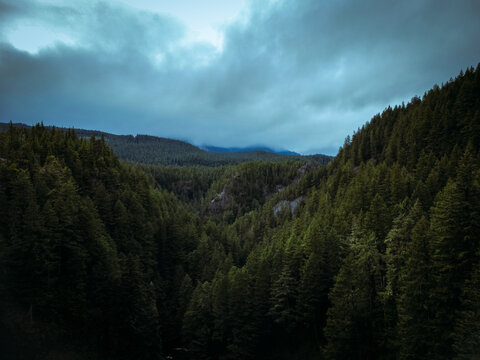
(374,256)
(87,247)
(380,260)
(148,149)
(217,149)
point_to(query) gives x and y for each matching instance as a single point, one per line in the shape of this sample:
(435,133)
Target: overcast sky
(289,74)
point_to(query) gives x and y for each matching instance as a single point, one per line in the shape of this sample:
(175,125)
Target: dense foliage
(154,150)
(374,256)
(88,248)
(228,191)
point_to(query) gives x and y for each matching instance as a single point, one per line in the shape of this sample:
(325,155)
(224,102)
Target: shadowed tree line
(379,259)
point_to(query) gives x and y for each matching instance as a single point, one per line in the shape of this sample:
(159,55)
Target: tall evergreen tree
(415,309)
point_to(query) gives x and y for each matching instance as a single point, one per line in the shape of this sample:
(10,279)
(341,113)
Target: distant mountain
(375,256)
(217,149)
(148,149)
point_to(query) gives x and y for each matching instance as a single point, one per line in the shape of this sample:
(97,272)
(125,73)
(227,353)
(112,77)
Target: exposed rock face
(279,206)
(236,196)
(303,170)
(220,201)
(287,204)
(294,203)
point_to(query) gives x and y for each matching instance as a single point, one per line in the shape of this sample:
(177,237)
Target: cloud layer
(291,74)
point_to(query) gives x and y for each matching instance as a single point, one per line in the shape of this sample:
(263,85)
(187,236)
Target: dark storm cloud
(298,75)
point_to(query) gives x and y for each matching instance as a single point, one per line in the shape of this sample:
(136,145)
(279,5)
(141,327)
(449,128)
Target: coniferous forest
(373,256)
(144,149)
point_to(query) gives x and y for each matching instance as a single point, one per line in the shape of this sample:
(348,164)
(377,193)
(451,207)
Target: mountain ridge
(150,149)
(219,149)
(374,256)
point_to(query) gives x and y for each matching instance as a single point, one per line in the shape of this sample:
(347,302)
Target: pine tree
(467,328)
(198,322)
(415,312)
(284,288)
(353,328)
(455,241)
(397,242)
(316,280)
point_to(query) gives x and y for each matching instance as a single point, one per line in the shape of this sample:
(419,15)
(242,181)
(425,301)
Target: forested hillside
(217,149)
(155,150)
(88,249)
(373,256)
(229,191)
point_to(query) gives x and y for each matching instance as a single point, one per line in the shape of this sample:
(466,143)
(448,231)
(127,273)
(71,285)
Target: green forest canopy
(145,149)
(373,256)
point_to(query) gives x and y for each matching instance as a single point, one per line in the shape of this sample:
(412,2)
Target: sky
(289,74)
